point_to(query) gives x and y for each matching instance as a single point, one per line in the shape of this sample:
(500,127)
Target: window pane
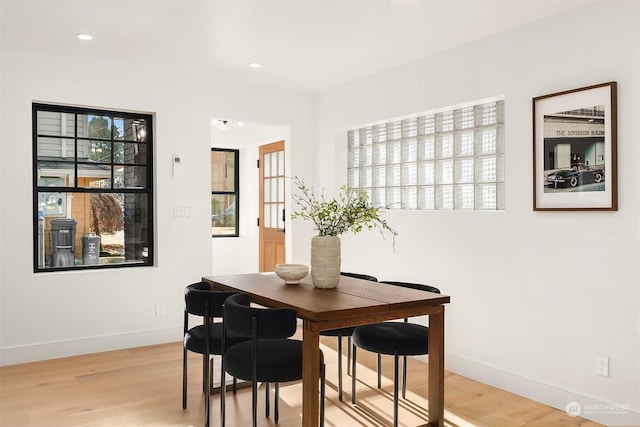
(393,175)
(410,150)
(223,215)
(223,168)
(354,157)
(427,148)
(445,172)
(379,197)
(464,170)
(266,164)
(280,215)
(60,169)
(353,180)
(274,216)
(393,198)
(409,198)
(55,123)
(464,144)
(394,152)
(465,197)
(280,190)
(56,148)
(281,163)
(380,176)
(129,176)
(267,215)
(380,154)
(409,174)
(267,190)
(130,152)
(274,164)
(444,197)
(426,198)
(426,173)
(101,228)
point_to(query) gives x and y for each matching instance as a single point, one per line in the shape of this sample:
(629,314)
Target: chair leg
(323,376)
(395,390)
(204,372)
(276,406)
(379,370)
(184,378)
(235,385)
(223,392)
(207,394)
(349,355)
(353,374)
(340,368)
(404,377)
(254,403)
(267,409)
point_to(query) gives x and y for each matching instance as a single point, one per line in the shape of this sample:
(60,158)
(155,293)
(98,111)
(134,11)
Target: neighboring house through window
(225,193)
(92,188)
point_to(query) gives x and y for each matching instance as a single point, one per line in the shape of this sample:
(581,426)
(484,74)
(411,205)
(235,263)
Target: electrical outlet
(159,310)
(602,365)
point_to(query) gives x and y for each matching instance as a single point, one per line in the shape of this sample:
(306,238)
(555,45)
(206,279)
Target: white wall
(535,296)
(50,315)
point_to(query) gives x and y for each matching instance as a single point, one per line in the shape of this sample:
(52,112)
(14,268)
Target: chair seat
(280,360)
(407,339)
(194,339)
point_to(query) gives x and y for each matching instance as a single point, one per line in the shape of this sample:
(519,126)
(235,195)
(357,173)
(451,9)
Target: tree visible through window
(93,192)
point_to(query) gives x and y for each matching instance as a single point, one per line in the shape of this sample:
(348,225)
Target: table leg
(310,375)
(436,369)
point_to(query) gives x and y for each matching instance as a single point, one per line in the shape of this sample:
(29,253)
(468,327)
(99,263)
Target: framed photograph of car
(575,149)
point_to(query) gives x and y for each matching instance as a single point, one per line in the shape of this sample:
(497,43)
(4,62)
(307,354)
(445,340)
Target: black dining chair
(345,332)
(392,338)
(270,356)
(200,300)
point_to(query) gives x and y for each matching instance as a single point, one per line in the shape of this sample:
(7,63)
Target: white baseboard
(612,415)
(65,348)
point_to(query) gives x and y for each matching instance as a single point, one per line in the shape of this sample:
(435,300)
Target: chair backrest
(359,276)
(198,295)
(240,319)
(418,286)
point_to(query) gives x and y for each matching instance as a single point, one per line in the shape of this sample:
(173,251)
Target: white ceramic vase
(325,261)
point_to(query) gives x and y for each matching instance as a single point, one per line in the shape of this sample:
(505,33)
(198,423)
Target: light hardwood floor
(142,387)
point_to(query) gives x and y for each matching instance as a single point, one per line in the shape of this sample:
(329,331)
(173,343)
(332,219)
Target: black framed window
(225,192)
(92,188)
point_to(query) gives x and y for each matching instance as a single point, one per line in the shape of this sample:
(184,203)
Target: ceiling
(304,45)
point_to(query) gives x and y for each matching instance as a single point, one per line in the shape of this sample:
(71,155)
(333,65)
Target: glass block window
(450,159)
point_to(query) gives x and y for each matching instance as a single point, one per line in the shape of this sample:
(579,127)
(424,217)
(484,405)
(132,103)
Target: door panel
(272,215)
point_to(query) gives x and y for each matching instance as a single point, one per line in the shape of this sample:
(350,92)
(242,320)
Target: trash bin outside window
(63,238)
(90,249)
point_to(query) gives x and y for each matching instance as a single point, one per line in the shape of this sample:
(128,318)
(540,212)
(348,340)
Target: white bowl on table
(291,273)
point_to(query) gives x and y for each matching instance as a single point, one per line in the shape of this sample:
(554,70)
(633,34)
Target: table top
(352,298)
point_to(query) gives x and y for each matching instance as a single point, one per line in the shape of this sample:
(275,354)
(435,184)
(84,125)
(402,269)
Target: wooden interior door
(272,214)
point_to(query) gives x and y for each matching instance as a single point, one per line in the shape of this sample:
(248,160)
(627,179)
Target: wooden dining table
(354,302)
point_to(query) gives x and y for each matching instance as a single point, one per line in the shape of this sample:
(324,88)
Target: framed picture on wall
(575,149)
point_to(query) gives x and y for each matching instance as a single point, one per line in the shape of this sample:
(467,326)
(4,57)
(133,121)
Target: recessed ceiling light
(255,65)
(85,37)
